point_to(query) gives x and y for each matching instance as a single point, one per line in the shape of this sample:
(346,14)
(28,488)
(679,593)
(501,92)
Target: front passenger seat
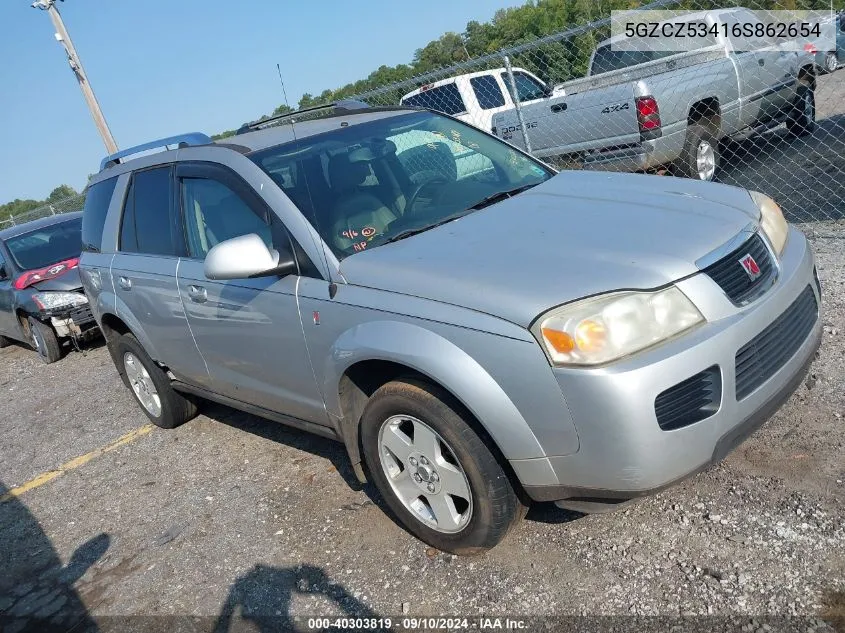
(356,215)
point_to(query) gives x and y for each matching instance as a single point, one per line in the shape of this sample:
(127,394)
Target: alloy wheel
(424,473)
(705,160)
(142,384)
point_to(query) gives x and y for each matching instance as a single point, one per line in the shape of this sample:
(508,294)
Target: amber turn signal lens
(560,341)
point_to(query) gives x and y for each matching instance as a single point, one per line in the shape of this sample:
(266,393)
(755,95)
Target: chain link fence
(767,116)
(67,205)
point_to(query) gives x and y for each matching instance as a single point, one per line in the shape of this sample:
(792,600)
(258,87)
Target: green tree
(60,193)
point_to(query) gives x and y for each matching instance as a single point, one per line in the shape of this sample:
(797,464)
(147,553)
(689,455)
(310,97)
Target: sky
(164,67)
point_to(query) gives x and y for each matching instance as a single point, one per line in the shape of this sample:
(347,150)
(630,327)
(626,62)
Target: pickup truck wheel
(802,118)
(151,387)
(831,62)
(699,158)
(44,341)
(433,471)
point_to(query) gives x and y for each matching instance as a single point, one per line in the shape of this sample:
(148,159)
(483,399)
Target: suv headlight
(608,327)
(56,300)
(771,221)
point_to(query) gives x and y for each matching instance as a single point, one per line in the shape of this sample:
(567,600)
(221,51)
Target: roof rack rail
(344,105)
(182,140)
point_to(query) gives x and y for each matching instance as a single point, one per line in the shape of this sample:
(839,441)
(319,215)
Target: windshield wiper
(421,229)
(500,195)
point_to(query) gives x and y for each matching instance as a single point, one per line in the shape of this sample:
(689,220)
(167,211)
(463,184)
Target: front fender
(443,362)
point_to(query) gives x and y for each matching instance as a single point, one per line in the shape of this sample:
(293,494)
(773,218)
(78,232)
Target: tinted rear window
(148,218)
(94,213)
(487,92)
(444,99)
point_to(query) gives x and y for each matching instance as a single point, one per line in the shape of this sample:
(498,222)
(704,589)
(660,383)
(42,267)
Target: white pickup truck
(636,111)
(476,97)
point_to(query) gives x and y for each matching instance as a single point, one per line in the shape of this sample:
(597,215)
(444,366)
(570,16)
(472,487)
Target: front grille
(760,358)
(689,401)
(732,277)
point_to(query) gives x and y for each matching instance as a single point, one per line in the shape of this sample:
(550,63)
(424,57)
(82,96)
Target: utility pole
(63,38)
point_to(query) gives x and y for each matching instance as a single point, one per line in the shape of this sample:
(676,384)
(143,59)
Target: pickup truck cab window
(487,92)
(446,99)
(387,179)
(606,59)
(527,88)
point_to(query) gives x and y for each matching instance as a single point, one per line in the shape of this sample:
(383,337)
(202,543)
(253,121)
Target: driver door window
(213,213)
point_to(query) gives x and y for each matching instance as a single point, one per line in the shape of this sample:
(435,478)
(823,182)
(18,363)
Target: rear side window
(149,222)
(487,91)
(94,214)
(444,99)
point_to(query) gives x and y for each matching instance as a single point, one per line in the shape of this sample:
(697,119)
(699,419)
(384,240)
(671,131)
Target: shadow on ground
(261,600)
(36,590)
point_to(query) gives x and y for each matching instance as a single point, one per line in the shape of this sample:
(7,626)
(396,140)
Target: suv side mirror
(245,257)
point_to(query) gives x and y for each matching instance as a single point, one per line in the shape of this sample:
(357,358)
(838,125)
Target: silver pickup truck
(637,110)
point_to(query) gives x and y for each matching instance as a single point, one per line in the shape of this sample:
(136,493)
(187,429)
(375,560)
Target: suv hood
(577,234)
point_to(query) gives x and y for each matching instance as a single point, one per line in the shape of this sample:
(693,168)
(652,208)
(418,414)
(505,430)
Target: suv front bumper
(624,454)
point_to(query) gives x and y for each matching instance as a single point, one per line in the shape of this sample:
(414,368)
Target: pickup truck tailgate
(593,119)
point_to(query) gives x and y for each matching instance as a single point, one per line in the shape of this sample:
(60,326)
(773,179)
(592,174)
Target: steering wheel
(418,189)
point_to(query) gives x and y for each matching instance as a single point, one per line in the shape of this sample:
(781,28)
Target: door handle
(124,282)
(761,62)
(197,294)
(558,107)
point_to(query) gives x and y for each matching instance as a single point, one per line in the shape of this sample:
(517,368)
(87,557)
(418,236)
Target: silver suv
(478,330)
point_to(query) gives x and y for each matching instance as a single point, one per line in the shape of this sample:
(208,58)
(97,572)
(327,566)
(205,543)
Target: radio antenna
(321,248)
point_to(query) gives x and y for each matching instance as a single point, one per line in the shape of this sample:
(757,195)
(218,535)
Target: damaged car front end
(42,302)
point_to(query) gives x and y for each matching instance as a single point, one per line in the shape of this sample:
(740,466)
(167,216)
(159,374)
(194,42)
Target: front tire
(802,118)
(700,157)
(44,341)
(433,470)
(151,386)
(4,342)
(831,62)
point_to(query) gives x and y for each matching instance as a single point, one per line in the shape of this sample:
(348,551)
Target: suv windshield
(364,185)
(47,245)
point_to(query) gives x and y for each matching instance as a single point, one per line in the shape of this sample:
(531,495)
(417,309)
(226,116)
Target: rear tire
(150,385)
(470,505)
(831,62)
(802,118)
(699,158)
(44,341)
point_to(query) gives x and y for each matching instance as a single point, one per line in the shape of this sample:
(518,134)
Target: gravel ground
(231,515)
